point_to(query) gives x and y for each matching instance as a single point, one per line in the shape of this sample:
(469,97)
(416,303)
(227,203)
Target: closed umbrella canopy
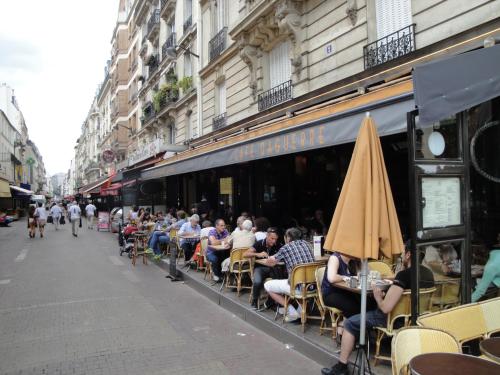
(365,218)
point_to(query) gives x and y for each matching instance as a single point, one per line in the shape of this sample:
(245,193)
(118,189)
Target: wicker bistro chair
(382,267)
(491,314)
(140,245)
(464,322)
(238,268)
(303,287)
(201,263)
(411,341)
(334,314)
(402,310)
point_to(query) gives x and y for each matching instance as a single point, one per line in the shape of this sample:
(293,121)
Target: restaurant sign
(341,128)
(145,152)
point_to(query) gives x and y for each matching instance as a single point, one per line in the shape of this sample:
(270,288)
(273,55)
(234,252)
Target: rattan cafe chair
(239,266)
(412,341)
(402,310)
(334,314)
(303,288)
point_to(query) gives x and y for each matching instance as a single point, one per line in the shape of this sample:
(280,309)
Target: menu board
(442,202)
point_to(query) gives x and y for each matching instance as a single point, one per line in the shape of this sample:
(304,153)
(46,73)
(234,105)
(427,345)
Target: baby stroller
(125,239)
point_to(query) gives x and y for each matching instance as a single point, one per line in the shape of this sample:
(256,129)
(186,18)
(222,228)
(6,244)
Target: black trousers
(188,248)
(347,302)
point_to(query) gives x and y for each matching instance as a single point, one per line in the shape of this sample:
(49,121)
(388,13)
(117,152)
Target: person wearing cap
(189,235)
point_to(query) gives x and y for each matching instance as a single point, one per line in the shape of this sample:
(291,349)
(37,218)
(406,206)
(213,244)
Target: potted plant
(185,83)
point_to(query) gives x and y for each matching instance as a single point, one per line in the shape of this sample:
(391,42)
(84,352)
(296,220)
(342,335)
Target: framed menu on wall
(441,199)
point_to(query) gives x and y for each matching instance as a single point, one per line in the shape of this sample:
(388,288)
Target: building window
(220,102)
(280,66)
(395,32)
(392,15)
(187,65)
(171,135)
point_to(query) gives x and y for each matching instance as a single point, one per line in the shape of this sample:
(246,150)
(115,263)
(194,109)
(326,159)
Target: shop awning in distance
(453,84)
(20,191)
(389,109)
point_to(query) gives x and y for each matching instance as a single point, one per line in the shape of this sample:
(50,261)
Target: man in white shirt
(90,210)
(74,214)
(56,213)
(41,217)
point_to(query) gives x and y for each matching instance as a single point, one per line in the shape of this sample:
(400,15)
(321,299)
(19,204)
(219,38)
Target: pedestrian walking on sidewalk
(31,222)
(74,214)
(56,212)
(90,210)
(41,218)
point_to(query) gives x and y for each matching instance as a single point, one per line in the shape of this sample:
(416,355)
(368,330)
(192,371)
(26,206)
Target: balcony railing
(274,96)
(168,99)
(148,112)
(154,20)
(218,44)
(153,63)
(188,23)
(390,47)
(170,42)
(219,122)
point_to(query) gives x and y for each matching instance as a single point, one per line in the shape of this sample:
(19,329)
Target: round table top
(451,363)
(491,348)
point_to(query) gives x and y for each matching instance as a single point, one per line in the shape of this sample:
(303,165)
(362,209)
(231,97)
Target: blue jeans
(374,318)
(216,258)
(155,240)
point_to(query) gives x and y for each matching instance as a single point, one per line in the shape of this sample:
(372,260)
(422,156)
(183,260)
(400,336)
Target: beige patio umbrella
(365,220)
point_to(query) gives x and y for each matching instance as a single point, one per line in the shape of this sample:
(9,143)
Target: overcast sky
(53,53)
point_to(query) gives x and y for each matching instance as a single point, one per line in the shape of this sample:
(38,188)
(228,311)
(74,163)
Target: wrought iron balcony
(171,97)
(188,23)
(170,42)
(154,21)
(219,122)
(153,63)
(148,112)
(274,96)
(217,44)
(390,47)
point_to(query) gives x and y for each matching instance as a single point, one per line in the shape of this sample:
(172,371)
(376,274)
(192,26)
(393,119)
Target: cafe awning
(114,189)
(389,112)
(93,187)
(20,191)
(4,189)
(453,84)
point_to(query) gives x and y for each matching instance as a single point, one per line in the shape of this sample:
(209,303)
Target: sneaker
(281,311)
(157,258)
(255,305)
(148,251)
(216,278)
(292,318)
(339,369)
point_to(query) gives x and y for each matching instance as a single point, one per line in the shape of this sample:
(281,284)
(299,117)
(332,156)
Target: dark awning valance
(451,85)
(389,114)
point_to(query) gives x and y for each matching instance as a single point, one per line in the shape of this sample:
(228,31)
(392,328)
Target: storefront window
(439,141)
(444,259)
(484,135)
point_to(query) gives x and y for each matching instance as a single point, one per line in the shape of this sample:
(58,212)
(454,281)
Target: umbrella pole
(362,331)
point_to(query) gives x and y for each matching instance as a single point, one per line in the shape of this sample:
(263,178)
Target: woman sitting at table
(337,268)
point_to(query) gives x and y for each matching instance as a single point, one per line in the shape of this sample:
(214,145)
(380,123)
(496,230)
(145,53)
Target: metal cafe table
(491,348)
(452,364)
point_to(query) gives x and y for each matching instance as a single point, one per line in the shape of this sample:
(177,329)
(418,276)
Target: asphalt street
(74,306)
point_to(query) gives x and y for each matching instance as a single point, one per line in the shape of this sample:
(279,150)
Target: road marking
(131,276)
(4,282)
(115,260)
(22,255)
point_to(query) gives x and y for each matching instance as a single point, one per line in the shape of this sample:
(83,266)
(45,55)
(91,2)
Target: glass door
(440,214)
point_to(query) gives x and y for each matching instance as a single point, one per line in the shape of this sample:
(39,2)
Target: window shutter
(222,97)
(187,65)
(392,15)
(221,14)
(280,68)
